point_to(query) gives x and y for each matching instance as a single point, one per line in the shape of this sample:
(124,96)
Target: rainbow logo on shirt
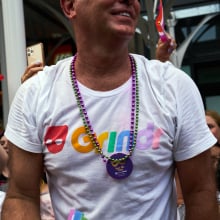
(76,215)
(148,137)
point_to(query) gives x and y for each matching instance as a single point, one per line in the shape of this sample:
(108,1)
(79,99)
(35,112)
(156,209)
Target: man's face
(107,16)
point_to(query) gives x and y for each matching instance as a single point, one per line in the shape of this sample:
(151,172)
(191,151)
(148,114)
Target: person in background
(218,183)
(213,122)
(46,210)
(3,168)
(4,163)
(109,128)
(181,211)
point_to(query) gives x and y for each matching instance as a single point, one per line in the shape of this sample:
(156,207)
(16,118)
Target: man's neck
(102,72)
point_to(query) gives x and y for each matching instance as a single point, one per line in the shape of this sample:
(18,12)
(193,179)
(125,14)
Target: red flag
(160,23)
(1,77)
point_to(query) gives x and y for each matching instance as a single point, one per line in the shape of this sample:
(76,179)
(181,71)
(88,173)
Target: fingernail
(170,50)
(37,62)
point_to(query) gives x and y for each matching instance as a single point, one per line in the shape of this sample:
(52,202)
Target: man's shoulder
(59,66)
(44,81)
(64,61)
(151,64)
(53,73)
(159,73)
(155,68)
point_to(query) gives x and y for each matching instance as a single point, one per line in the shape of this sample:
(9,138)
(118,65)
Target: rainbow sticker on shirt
(76,215)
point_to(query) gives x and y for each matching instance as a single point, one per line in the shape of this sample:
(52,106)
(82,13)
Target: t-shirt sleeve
(21,127)
(192,133)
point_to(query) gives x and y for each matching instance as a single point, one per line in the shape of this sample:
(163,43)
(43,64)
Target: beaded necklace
(119,165)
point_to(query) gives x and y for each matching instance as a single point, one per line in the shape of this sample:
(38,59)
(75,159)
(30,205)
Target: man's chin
(125,33)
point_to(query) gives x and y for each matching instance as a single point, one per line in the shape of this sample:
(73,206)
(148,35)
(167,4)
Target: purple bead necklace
(134,114)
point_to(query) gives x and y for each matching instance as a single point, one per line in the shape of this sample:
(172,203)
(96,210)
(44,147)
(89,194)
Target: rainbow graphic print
(76,215)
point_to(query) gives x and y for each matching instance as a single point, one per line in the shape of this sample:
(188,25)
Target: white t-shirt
(44,117)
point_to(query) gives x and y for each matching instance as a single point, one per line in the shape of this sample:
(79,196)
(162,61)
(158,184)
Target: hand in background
(165,49)
(31,70)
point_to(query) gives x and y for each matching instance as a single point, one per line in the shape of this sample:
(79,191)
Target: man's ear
(68,8)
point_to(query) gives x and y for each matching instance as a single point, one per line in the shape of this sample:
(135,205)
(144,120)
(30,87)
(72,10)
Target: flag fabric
(160,23)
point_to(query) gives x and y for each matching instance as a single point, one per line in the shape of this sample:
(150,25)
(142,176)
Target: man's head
(102,17)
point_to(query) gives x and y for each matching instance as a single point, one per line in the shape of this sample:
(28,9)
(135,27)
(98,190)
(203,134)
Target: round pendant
(119,169)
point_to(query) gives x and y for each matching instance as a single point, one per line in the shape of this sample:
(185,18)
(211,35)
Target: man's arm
(198,184)
(23,195)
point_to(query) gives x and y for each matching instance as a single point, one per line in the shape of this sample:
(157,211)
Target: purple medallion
(119,169)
